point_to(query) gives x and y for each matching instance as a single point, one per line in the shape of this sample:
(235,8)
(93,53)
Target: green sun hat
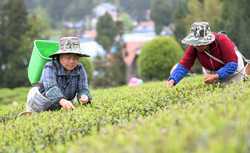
(200,34)
(69,45)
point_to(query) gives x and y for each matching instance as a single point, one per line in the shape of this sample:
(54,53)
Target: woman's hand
(67,105)
(211,78)
(169,83)
(84,99)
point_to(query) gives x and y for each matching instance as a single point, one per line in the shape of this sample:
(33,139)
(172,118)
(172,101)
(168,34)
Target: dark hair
(56,57)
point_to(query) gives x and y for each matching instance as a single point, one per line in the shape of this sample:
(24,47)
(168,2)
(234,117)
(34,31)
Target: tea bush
(123,107)
(214,123)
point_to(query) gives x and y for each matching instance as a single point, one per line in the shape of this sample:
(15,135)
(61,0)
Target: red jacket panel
(222,48)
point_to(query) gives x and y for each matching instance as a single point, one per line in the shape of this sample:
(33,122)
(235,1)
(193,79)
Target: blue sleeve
(83,84)
(52,91)
(227,70)
(179,72)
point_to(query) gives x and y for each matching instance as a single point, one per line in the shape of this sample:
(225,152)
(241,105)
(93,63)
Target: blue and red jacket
(222,48)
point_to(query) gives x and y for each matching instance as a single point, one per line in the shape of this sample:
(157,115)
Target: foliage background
(23,21)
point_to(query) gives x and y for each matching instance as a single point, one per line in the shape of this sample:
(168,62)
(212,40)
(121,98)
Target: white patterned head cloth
(69,45)
(200,34)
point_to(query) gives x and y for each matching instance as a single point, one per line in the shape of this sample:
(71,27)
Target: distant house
(90,34)
(145,27)
(92,48)
(89,45)
(133,42)
(74,25)
(167,31)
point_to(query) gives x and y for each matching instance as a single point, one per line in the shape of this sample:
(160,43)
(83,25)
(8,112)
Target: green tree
(179,20)
(19,32)
(157,58)
(110,71)
(61,10)
(162,12)
(106,31)
(127,22)
(201,10)
(56,9)
(196,10)
(13,25)
(89,67)
(40,23)
(39,28)
(235,22)
(117,70)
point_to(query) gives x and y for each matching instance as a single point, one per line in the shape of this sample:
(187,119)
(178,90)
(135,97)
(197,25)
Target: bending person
(216,53)
(63,79)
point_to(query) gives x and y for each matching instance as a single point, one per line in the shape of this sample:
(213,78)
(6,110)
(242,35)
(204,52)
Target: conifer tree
(106,31)
(13,25)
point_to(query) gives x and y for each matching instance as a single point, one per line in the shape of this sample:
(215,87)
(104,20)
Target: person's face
(69,61)
(201,48)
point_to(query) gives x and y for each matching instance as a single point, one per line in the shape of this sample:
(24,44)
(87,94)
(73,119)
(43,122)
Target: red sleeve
(228,49)
(189,58)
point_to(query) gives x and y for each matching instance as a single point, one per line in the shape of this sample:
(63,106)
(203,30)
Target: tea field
(189,118)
